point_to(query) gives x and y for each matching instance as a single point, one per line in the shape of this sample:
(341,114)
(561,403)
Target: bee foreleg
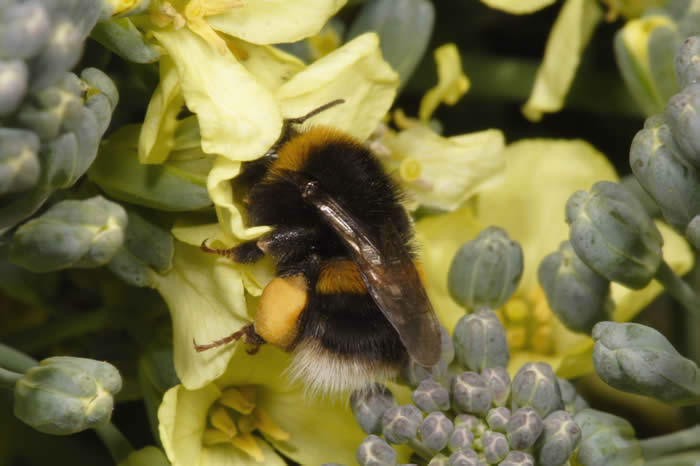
(244,253)
(250,337)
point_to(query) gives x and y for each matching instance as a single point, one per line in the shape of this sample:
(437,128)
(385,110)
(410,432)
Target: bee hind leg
(250,337)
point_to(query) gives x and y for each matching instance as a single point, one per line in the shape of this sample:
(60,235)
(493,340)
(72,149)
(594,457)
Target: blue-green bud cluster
(638,359)
(58,132)
(665,154)
(51,121)
(476,415)
(64,395)
(486,271)
(606,440)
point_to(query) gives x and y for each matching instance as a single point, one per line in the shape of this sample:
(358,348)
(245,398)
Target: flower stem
(677,288)
(8,379)
(420,449)
(15,360)
(119,447)
(672,443)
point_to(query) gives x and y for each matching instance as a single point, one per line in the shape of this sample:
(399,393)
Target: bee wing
(389,274)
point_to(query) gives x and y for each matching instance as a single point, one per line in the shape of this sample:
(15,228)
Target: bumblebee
(347,301)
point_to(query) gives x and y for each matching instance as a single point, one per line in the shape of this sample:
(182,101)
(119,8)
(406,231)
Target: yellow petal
(569,36)
(452,82)
(540,176)
(269,65)
(229,213)
(158,131)
(228,455)
(355,72)
(518,7)
(439,238)
(238,118)
(182,419)
(276,21)
(206,301)
(451,169)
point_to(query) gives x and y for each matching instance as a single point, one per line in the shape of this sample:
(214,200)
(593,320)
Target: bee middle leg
(250,337)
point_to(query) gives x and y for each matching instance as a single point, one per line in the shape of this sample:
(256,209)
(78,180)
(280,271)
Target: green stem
(119,447)
(677,288)
(55,331)
(15,360)
(8,379)
(656,447)
(420,449)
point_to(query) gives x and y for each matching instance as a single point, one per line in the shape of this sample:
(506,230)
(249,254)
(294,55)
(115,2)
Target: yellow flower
(539,177)
(452,82)
(240,417)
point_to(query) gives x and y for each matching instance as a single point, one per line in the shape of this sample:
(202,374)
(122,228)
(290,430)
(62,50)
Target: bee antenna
(314,112)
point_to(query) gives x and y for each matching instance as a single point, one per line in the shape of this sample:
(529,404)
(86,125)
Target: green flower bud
(461,439)
(497,418)
(65,395)
(644,49)
(498,380)
(82,234)
(436,430)
(613,235)
(638,359)
(147,248)
(518,458)
(123,38)
(687,63)
(578,296)
(466,457)
(404,29)
(470,393)
(573,402)
(681,116)
(535,385)
(495,446)
(559,439)
(401,423)
(374,451)
(480,341)
(486,271)
(71,25)
(662,170)
(24,29)
(177,185)
(101,97)
(19,164)
(431,396)
(524,428)
(13,75)
(631,184)
(606,440)
(692,233)
(369,406)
